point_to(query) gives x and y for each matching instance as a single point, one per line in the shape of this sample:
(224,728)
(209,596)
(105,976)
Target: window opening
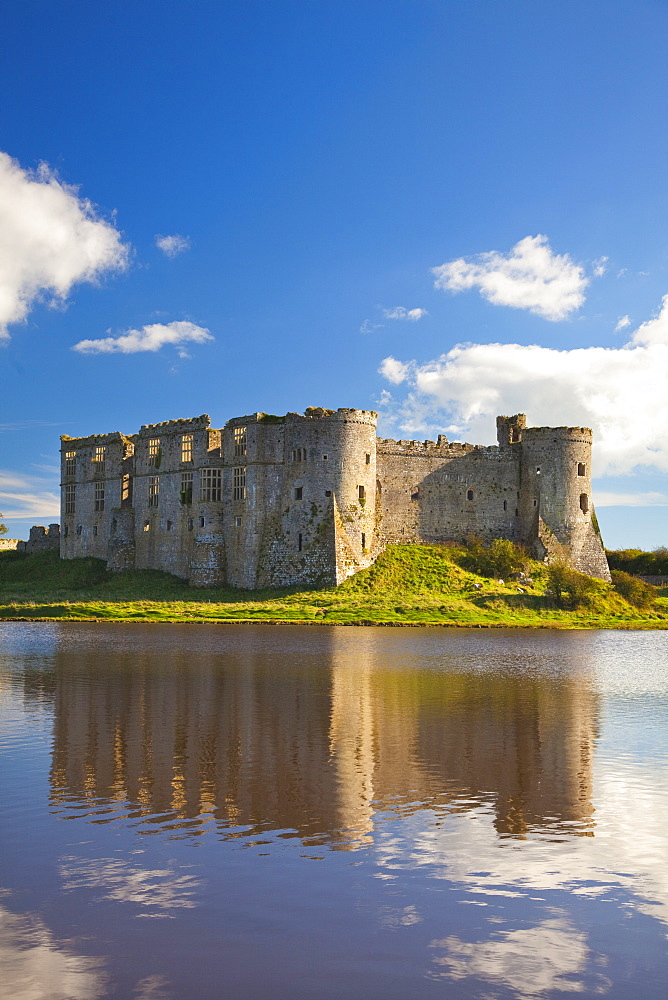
(368,459)
(469,494)
(300,543)
(187,441)
(201,522)
(169,526)
(363,541)
(147,526)
(70,463)
(210,484)
(190,524)
(299,492)
(95,529)
(582,470)
(66,531)
(153,451)
(239,483)
(69,499)
(505,505)
(99,459)
(79,529)
(584,503)
(535,503)
(99,496)
(328,493)
(153,490)
(237,522)
(325,457)
(361,492)
(186,494)
(538,470)
(239,442)
(126,491)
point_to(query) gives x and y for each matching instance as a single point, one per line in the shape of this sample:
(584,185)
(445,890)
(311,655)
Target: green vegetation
(3,527)
(570,589)
(408,585)
(639,563)
(500,559)
(635,591)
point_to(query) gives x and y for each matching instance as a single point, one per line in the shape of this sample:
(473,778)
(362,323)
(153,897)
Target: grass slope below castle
(408,585)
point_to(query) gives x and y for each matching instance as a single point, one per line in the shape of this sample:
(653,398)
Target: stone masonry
(309,499)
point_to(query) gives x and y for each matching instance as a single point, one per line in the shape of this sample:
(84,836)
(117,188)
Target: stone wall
(309,499)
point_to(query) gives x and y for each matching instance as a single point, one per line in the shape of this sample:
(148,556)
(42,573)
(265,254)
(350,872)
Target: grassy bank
(408,585)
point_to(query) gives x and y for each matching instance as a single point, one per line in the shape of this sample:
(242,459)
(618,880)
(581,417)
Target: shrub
(639,563)
(635,591)
(570,589)
(499,559)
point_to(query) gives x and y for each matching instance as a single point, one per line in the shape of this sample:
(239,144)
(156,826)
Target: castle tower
(556,512)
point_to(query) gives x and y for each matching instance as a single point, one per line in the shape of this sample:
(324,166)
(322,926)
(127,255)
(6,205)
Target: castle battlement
(311,498)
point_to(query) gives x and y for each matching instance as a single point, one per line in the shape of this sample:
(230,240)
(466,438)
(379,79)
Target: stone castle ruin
(309,499)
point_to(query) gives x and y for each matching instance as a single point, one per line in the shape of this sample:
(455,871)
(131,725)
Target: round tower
(329,490)
(556,511)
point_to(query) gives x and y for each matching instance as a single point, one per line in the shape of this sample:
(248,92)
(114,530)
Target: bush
(570,589)
(499,559)
(639,563)
(635,591)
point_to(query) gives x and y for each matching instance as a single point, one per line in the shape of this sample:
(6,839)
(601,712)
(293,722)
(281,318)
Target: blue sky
(311,165)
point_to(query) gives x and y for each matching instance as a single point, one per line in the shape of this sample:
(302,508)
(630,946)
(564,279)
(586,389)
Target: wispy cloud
(152,337)
(600,266)
(400,312)
(621,393)
(24,496)
(622,323)
(529,277)
(604,499)
(171,246)
(368,326)
(50,240)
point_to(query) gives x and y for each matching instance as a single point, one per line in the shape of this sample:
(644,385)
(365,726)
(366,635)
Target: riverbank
(408,586)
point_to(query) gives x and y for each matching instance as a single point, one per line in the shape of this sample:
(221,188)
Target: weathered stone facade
(40,540)
(312,498)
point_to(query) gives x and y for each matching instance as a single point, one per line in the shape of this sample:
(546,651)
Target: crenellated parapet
(311,498)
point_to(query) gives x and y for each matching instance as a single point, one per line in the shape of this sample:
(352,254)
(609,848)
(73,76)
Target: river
(331,813)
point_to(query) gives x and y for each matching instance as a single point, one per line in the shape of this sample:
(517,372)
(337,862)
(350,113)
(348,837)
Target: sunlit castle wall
(311,497)
(556,509)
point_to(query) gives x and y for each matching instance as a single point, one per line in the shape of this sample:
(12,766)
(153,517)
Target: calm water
(251,812)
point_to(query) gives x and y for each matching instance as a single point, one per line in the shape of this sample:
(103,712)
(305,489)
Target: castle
(309,499)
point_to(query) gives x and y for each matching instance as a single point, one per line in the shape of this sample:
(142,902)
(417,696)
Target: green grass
(408,585)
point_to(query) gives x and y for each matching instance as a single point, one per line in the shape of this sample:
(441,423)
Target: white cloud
(396,371)
(621,393)
(172,245)
(529,277)
(600,267)
(368,327)
(651,499)
(50,240)
(25,497)
(622,323)
(150,338)
(400,312)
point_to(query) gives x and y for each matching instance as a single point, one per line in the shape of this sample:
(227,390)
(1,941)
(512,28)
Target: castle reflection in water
(318,740)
